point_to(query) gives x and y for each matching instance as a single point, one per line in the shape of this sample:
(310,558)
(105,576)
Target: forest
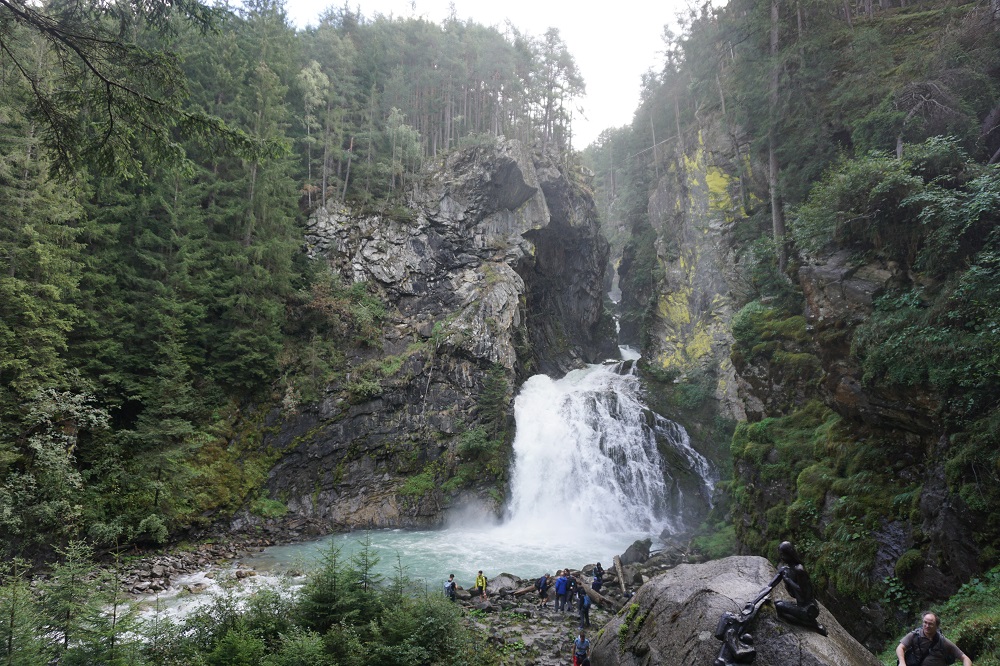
(157,168)
(158,162)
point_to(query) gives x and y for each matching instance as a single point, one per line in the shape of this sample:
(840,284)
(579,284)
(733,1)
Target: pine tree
(21,624)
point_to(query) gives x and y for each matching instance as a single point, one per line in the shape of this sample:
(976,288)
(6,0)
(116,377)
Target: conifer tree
(22,640)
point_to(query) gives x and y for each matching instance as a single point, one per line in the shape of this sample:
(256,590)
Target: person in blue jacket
(562,586)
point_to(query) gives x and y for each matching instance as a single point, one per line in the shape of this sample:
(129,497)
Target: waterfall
(586,457)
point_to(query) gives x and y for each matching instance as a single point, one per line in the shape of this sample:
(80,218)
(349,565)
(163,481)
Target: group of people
(925,646)
(568,588)
(922,647)
(451,589)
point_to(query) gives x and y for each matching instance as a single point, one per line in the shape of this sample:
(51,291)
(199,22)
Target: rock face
(673,617)
(491,272)
(839,293)
(687,333)
(799,367)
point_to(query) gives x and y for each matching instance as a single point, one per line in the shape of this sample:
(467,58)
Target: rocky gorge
(492,271)
(495,270)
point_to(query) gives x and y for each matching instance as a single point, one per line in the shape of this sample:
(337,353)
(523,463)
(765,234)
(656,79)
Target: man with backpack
(481,583)
(571,585)
(542,585)
(449,587)
(583,605)
(927,647)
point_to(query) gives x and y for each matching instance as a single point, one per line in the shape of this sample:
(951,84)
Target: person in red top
(927,647)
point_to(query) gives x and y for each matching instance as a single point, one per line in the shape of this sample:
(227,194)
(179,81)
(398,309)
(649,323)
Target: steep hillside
(854,286)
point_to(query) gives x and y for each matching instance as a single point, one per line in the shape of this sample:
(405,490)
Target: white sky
(612,44)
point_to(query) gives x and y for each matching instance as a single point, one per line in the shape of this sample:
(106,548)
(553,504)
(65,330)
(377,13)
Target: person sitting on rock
(598,581)
(804,610)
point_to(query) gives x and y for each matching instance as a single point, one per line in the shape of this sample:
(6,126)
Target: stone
(676,614)
(503,583)
(638,552)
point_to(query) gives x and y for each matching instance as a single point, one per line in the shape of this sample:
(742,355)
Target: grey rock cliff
(495,263)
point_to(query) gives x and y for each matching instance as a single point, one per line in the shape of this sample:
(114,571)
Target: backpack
(586,601)
(913,658)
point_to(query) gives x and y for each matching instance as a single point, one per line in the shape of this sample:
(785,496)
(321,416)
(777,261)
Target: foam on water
(587,480)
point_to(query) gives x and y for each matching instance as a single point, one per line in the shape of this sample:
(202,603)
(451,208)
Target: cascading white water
(586,457)
(587,479)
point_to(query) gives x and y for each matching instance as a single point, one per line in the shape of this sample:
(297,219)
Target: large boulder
(503,583)
(673,617)
(638,552)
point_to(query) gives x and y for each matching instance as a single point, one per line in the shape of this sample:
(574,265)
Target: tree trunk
(620,573)
(347,176)
(656,161)
(777,214)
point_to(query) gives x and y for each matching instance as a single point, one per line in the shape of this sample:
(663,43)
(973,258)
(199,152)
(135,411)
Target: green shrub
(909,563)
(268,508)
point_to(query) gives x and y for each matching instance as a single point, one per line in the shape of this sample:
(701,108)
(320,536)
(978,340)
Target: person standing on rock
(598,578)
(583,605)
(804,610)
(561,585)
(542,585)
(927,647)
(581,649)
(449,587)
(481,585)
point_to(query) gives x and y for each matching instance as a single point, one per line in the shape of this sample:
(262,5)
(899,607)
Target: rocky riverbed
(510,617)
(159,573)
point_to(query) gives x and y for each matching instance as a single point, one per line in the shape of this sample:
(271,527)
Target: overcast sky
(612,44)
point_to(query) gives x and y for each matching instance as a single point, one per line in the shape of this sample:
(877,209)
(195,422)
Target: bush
(268,508)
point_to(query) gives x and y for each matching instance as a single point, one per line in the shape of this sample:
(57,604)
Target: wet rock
(500,250)
(676,613)
(503,583)
(638,552)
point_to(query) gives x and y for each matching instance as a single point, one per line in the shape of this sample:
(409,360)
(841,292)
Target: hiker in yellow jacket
(480,585)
